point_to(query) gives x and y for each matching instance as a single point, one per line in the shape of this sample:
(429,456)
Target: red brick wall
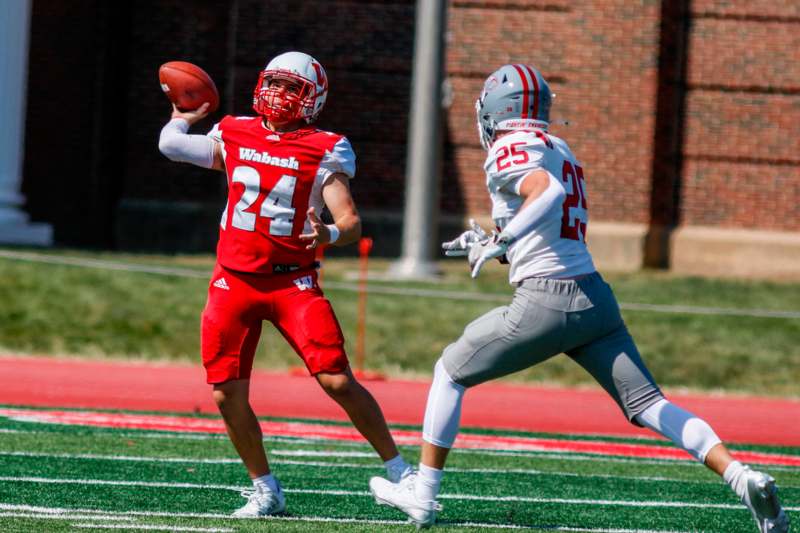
(600,58)
(741,131)
(742,135)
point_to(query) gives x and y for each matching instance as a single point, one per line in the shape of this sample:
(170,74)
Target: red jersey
(273,178)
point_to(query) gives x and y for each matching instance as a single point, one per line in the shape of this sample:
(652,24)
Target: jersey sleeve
(339,159)
(512,158)
(215,133)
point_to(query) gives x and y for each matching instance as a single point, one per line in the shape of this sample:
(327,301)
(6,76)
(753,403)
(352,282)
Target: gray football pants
(546,317)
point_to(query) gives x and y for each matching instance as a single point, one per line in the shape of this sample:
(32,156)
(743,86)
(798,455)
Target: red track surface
(36,381)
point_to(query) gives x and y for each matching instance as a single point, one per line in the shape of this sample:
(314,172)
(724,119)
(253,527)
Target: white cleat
(761,497)
(260,503)
(401,496)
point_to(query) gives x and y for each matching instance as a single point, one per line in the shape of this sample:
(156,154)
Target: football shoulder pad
(339,158)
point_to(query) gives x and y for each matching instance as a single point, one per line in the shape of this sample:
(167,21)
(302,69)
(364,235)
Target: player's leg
(756,490)
(614,361)
(503,341)
(362,409)
(307,321)
(229,338)
(242,425)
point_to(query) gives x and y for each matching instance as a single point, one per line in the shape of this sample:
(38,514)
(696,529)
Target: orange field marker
(364,247)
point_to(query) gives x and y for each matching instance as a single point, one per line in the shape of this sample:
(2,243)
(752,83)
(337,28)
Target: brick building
(684,113)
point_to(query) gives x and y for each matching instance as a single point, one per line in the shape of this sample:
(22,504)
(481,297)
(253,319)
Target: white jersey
(556,248)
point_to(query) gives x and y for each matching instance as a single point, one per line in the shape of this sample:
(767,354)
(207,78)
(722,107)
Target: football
(188,86)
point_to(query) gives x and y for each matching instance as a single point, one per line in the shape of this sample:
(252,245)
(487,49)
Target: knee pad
(687,431)
(443,410)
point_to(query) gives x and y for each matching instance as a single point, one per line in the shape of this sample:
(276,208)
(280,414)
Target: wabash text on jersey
(273,178)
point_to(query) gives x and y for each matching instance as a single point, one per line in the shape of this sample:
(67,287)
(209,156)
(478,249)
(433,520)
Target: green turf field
(99,312)
(68,478)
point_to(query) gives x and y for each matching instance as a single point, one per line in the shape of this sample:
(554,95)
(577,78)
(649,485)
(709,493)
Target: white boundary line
(331,464)
(66,515)
(472,451)
(607,459)
(151,527)
(380,289)
(462,497)
(47,511)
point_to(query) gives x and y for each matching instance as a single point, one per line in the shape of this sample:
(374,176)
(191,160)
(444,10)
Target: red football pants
(239,302)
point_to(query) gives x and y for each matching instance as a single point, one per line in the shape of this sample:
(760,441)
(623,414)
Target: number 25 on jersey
(573,221)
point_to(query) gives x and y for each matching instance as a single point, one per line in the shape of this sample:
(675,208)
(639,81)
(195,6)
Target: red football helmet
(280,106)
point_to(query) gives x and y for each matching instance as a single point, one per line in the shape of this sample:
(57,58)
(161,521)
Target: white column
(14,31)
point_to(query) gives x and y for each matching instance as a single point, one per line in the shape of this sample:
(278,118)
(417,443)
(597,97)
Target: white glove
(461,245)
(482,252)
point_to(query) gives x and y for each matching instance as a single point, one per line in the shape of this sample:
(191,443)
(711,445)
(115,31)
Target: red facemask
(279,105)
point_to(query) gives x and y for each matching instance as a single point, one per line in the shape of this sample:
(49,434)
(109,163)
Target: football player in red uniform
(281,171)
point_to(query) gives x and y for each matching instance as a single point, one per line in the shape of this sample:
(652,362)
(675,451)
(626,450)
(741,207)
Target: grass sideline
(61,478)
(63,310)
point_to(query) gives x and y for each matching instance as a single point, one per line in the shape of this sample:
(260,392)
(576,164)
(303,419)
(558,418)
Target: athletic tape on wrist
(334,233)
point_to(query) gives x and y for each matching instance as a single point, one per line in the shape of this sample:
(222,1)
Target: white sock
(443,410)
(426,486)
(687,431)
(267,481)
(734,478)
(395,467)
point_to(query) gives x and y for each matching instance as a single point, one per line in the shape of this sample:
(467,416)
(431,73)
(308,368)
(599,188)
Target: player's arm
(542,192)
(347,223)
(179,146)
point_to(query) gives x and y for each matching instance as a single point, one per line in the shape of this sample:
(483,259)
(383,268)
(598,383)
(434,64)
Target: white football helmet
(299,68)
(514,97)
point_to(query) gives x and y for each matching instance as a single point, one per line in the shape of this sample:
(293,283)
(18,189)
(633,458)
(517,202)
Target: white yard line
(130,458)
(102,512)
(463,497)
(331,464)
(44,512)
(381,289)
(151,527)
(121,483)
(322,453)
(369,454)
(65,515)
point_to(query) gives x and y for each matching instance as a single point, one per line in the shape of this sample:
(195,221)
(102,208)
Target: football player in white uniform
(561,304)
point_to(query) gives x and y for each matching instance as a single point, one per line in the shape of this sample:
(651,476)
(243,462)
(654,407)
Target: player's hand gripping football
(481,252)
(461,245)
(191,116)
(320,234)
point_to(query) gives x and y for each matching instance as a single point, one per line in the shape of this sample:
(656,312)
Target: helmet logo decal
(321,81)
(535,92)
(491,83)
(525,94)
